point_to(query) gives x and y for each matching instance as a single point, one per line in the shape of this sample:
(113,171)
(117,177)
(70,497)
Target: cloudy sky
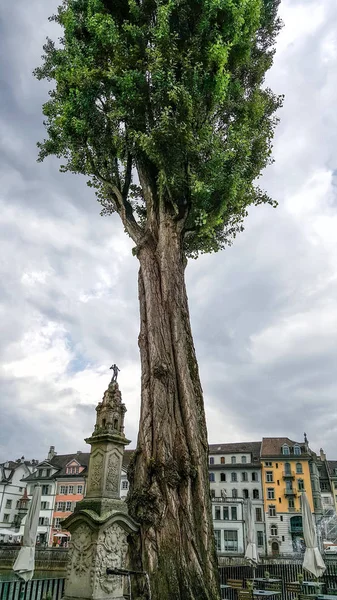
(264,312)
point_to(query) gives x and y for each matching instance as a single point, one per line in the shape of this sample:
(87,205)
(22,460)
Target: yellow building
(285,475)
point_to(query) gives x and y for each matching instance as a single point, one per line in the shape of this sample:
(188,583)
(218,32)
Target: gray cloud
(263,312)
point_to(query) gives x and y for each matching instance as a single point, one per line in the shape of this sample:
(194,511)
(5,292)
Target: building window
(222,460)
(283,538)
(291,503)
(8,504)
(125,485)
(40,473)
(281,518)
(299,468)
(285,449)
(324,486)
(222,476)
(61,506)
(45,490)
(233,460)
(212,493)
(259,535)
(269,476)
(6,517)
(231,540)
(255,476)
(57,522)
(211,477)
(272,510)
(243,459)
(20,489)
(41,520)
(18,504)
(268,464)
(68,506)
(273,529)
(234,477)
(244,476)
(226,513)
(234,493)
(270,493)
(71,489)
(217,535)
(300,483)
(64,489)
(234,513)
(80,489)
(47,472)
(211,460)
(245,493)
(258,514)
(44,505)
(297,450)
(217,513)
(256,494)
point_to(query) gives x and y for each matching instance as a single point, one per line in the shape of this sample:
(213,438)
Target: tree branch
(127,177)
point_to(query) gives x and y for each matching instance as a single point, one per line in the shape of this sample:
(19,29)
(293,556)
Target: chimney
(51,453)
(322,454)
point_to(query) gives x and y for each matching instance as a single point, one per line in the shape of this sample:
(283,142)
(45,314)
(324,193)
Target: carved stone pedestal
(100,524)
(97,543)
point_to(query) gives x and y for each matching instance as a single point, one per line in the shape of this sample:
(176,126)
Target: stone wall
(46,559)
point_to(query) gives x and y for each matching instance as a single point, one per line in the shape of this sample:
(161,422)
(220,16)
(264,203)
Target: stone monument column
(100,524)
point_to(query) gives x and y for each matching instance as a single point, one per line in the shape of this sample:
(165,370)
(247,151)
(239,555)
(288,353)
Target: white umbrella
(313,561)
(25,562)
(251,553)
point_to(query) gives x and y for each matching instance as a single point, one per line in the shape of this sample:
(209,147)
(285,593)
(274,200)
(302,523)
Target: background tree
(170,91)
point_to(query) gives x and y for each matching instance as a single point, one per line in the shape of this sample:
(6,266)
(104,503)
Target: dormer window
(285,449)
(243,459)
(297,450)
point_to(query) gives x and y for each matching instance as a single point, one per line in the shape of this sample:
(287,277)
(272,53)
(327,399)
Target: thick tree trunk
(169,488)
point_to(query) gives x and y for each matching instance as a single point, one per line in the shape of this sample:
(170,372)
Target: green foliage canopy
(173,88)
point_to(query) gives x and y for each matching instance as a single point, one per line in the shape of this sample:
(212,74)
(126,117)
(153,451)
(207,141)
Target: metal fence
(37,589)
(286,572)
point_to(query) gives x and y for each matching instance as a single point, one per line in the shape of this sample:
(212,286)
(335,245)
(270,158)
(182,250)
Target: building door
(275,549)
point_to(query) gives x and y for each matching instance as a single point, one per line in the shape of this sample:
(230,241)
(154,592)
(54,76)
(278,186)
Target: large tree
(162,104)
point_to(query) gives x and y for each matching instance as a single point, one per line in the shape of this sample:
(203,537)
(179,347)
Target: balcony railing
(290,492)
(296,529)
(288,475)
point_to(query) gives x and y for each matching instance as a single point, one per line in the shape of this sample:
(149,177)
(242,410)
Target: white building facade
(11,491)
(235,476)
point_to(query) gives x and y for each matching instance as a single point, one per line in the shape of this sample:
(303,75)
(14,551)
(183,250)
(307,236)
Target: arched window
(243,459)
(273,529)
(212,477)
(299,468)
(287,468)
(245,493)
(256,494)
(244,476)
(233,460)
(255,476)
(234,477)
(234,493)
(285,449)
(222,460)
(211,460)
(297,449)
(222,476)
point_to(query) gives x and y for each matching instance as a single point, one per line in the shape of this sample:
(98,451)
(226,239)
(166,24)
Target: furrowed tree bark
(169,483)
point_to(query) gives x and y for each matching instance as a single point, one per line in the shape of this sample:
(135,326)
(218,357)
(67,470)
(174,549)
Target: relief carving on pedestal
(112,474)
(81,550)
(111,553)
(96,470)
